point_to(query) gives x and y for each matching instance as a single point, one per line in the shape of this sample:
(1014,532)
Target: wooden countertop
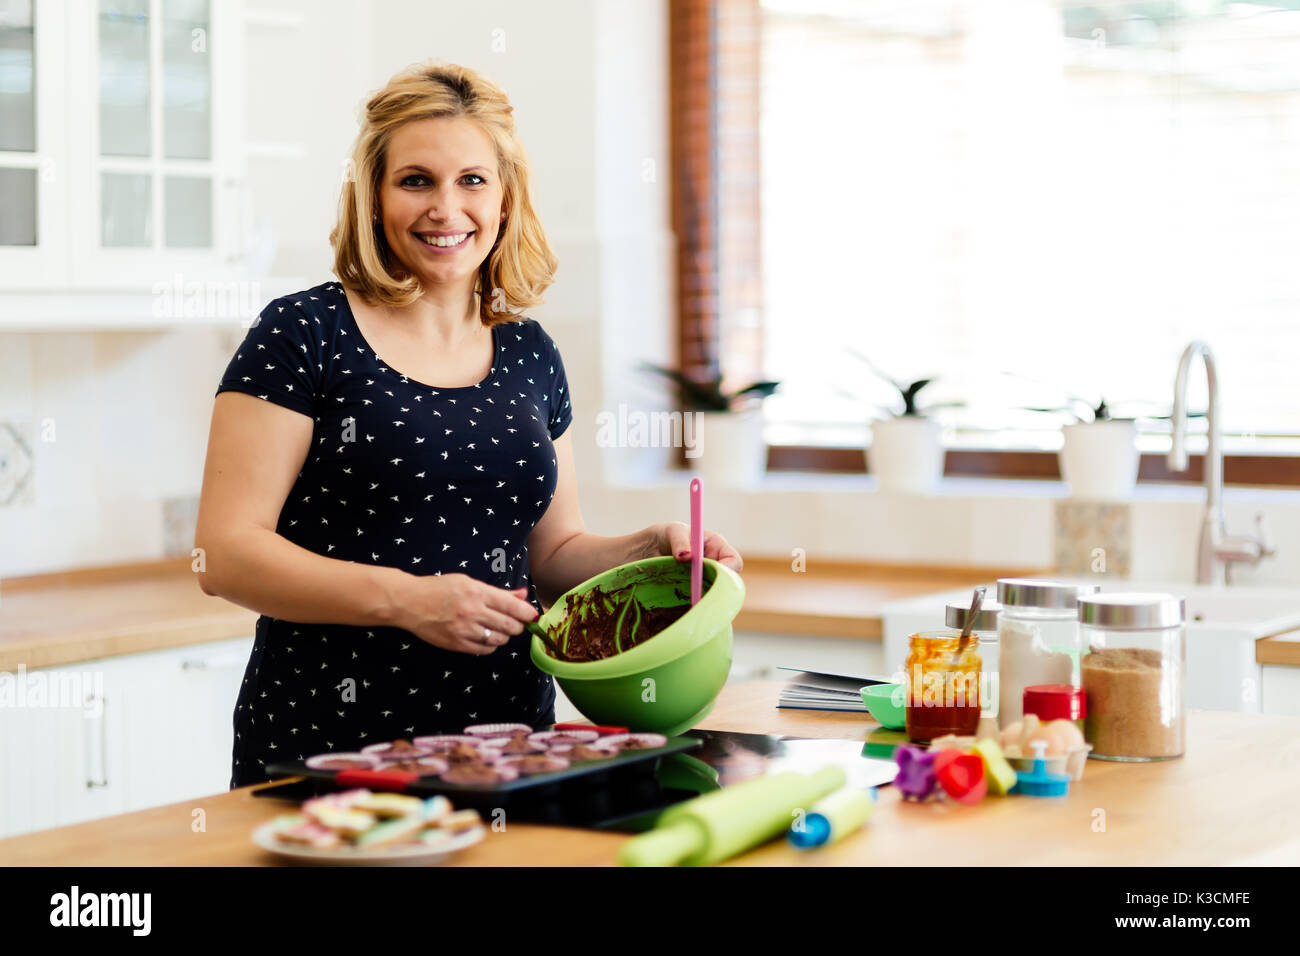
(80,615)
(843,598)
(1228,801)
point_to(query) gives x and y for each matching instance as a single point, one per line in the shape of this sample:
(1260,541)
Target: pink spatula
(697,544)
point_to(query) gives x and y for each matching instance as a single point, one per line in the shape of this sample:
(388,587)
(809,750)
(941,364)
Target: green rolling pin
(719,825)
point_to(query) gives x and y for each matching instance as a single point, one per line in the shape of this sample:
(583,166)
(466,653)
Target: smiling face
(440,199)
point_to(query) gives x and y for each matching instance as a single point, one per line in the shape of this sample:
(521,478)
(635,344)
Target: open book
(819,690)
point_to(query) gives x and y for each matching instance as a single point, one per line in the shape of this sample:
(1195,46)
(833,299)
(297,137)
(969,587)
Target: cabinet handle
(102,782)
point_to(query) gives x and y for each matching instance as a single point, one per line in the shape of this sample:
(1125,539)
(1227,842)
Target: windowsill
(794,482)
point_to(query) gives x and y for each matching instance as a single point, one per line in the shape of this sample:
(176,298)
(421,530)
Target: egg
(1061,736)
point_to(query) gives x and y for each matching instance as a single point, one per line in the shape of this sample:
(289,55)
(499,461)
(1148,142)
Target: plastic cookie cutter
(1001,775)
(1038,782)
(961,775)
(915,777)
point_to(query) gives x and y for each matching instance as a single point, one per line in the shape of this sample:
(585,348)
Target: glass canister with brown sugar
(942,686)
(1133,673)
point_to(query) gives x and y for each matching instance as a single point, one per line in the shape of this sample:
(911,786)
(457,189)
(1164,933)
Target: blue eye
(476,176)
(408,179)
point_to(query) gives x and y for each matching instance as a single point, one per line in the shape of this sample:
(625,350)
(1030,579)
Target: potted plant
(906,450)
(1099,455)
(729,436)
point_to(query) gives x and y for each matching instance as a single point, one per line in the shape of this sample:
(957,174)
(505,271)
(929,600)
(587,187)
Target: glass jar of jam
(943,694)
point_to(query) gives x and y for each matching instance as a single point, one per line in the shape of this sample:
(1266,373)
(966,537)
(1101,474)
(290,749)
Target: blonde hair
(521,264)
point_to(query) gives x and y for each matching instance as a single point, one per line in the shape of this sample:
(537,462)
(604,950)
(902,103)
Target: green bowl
(670,681)
(885,702)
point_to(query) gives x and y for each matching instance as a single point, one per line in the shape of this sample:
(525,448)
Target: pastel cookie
(391,831)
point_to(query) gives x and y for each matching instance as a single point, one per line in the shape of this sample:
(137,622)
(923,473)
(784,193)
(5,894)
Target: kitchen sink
(1223,624)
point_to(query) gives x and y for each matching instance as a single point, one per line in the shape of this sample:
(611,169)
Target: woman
(394,533)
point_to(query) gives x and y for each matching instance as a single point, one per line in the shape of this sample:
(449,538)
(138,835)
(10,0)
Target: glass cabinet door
(155,159)
(18,157)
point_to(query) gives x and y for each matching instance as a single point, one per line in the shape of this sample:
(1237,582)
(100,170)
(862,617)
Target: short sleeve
(561,413)
(278,361)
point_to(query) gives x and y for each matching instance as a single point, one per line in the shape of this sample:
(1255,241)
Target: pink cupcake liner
(552,738)
(514,746)
(635,741)
(535,763)
(498,730)
(589,752)
(484,775)
(440,742)
(424,766)
(345,761)
(384,751)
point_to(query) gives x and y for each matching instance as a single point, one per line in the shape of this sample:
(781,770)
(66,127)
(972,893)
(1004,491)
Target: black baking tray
(594,793)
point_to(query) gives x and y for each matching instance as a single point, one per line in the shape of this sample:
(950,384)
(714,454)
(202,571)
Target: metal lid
(986,620)
(1133,611)
(1031,592)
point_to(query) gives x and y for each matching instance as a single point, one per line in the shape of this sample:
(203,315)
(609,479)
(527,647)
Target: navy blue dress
(406,475)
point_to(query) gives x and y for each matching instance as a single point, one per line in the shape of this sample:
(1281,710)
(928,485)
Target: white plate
(399,854)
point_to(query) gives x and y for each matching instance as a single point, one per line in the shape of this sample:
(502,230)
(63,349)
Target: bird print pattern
(406,475)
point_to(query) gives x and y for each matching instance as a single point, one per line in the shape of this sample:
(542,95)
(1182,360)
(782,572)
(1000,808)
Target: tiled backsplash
(179,515)
(17,464)
(1093,538)
(102,439)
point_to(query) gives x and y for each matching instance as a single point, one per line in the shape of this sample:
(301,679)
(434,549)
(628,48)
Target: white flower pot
(906,454)
(1099,460)
(732,453)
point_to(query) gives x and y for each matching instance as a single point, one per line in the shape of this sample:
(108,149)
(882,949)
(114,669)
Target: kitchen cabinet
(1280,690)
(135,731)
(178,720)
(122,173)
(63,746)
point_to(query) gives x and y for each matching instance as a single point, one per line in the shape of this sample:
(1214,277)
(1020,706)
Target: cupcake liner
(424,766)
(440,742)
(498,730)
(463,752)
(535,763)
(480,774)
(553,737)
(514,746)
(584,753)
(635,741)
(396,750)
(343,761)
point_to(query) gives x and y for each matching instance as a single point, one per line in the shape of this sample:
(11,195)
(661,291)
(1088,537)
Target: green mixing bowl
(886,703)
(668,682)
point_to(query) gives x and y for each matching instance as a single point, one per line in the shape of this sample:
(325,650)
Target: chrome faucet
(1217,550)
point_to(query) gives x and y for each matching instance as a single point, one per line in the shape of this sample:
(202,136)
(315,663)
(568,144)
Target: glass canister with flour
(1038,639)
(1133,673)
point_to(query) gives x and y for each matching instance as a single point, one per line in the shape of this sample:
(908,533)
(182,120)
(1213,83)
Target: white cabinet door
(61,747)
(1281,690)
(178,720)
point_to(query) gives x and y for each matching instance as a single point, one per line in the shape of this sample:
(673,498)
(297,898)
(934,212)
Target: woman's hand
(674,538)
(462,614)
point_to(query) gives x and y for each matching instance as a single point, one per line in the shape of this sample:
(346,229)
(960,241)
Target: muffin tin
(574,793)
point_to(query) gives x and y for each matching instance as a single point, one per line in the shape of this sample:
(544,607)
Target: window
(1065,191)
